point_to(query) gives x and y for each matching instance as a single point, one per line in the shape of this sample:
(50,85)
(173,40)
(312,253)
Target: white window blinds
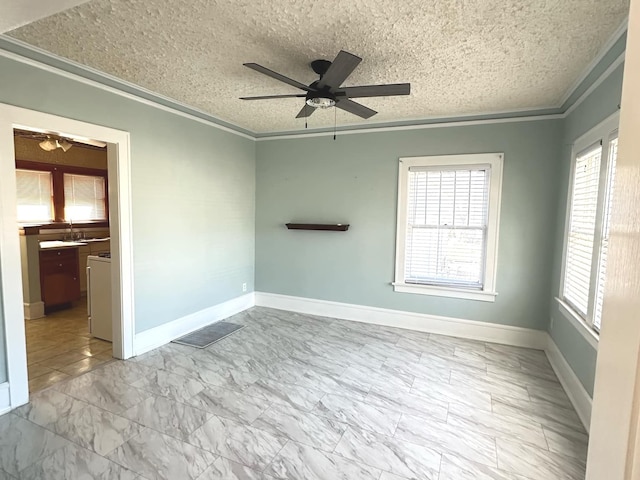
(582,229)
(604,245)
(84,197)
(35,196)
(447,226)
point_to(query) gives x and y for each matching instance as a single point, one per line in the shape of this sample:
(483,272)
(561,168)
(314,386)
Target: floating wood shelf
(335,227)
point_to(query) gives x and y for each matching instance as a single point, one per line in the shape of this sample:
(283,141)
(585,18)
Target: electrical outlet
(244,287)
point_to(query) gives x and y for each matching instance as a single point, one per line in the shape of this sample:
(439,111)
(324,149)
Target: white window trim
(495,160)
(588,333)
(601,132)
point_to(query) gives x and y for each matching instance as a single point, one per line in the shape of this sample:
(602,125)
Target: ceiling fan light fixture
(321,102)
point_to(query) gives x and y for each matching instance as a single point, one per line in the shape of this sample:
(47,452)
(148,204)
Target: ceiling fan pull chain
(335,116)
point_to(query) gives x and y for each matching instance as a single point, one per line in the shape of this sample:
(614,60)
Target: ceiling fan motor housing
(320,66)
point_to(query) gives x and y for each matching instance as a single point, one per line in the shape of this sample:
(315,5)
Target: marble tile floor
(59,347)
(296,397)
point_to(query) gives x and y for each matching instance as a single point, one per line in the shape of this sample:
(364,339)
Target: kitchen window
(447,233)
(52,193)
(35,196)
(588,223)
(84,198)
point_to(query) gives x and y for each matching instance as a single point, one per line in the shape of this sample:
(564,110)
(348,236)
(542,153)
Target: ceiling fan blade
(340,69)
(267,97)
(306,111)
(277,76)
(377,90)
(355,108)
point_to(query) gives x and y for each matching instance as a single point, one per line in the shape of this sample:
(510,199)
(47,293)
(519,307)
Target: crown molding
(47,61)
(36,57)
(613,39)
(610,69)
(426,126)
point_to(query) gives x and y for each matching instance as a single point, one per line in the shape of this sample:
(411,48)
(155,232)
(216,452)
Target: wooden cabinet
(59,276)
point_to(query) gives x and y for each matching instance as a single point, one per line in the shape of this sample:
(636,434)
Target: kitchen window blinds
(84,197)
(35,196)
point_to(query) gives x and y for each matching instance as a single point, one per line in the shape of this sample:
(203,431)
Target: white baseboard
(33,310)
(5,398)
(455,327)
(575,391)
(158,336)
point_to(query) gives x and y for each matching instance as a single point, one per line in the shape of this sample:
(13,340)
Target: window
(589,213)
(84,198)
(604,242)
(35,196)
(49,193)
(448,211)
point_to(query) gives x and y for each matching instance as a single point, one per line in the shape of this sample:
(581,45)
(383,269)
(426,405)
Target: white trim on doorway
(119,166)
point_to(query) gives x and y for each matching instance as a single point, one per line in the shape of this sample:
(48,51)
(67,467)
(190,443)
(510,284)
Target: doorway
(63,223)
(119,192)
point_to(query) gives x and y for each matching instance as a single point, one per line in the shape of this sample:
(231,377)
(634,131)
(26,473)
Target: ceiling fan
(327,92)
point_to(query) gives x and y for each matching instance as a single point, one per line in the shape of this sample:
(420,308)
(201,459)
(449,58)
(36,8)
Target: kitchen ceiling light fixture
(50,144)
(64,145)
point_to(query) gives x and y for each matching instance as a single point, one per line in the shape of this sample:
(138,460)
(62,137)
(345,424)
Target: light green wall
(354,180)
(193,191)
(600,104)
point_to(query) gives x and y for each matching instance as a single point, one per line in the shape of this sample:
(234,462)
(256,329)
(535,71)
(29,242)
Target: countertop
(70,244)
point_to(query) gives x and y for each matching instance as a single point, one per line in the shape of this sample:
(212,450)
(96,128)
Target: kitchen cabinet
(59,276)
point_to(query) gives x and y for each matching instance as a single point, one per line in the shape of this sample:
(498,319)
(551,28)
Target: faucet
(72,235)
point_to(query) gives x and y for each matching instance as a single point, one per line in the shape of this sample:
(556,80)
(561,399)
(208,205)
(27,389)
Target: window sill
(462,293)
(578,323)
(34,228)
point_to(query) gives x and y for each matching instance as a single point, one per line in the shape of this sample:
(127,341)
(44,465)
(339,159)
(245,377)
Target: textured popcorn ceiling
(15,13)
(461,56)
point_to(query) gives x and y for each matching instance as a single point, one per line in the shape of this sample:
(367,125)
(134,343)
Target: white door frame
(119,168)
